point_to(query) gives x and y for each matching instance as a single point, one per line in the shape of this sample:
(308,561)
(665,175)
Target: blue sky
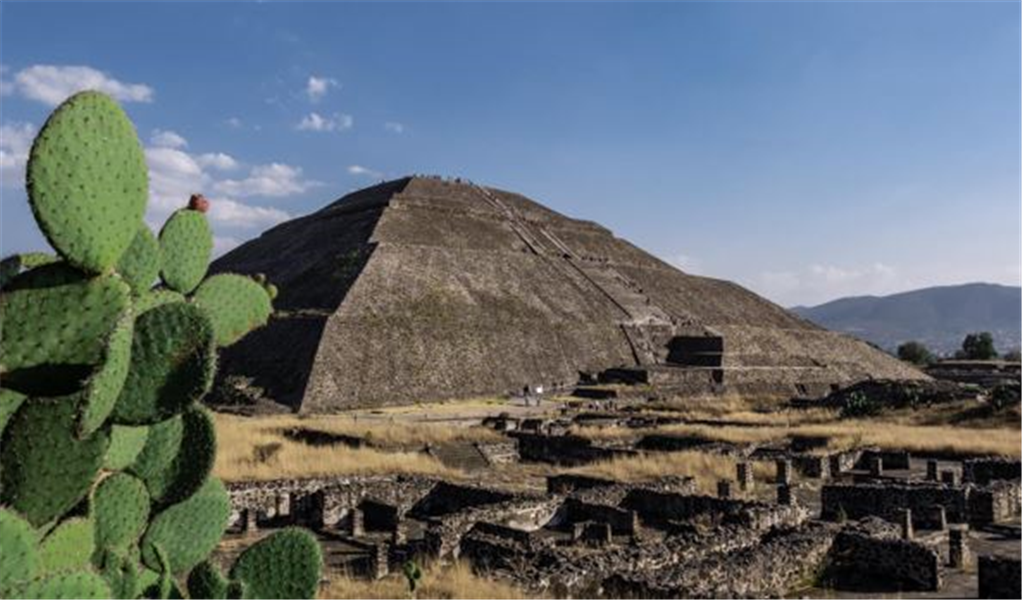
(805,150)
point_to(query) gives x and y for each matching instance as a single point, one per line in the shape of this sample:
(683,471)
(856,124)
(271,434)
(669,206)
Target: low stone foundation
(999,577)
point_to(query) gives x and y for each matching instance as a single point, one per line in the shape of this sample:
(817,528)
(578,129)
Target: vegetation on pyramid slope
(105,453)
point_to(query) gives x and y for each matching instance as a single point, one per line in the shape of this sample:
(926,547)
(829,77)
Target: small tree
(915,353)
(1013,355)
(978,346)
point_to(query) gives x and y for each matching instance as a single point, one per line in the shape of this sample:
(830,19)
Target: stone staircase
(464,456)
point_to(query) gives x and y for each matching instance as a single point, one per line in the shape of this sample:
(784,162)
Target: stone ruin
(869,522)
(422,288)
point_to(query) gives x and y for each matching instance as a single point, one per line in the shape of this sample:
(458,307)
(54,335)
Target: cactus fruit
(19,553)
(120,508)
(178,456)
(198,202)
(44,469)
(53,316)
(106,454)
(205,581)
(68,547)
(172,364)
(188,531)
(140,264)
(235,305)
(186,244)
(87,181)
(284,565)
(80,584)
(126,442)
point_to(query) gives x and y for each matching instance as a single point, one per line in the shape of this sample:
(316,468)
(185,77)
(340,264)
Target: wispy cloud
(394,127)
(52,84)
(272,180)
(15,142)
(316,122)
(817,283)
(364,172)
(167,139)
(317,87)
(234,122)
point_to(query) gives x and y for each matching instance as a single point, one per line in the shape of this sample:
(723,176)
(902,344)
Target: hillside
(937,316)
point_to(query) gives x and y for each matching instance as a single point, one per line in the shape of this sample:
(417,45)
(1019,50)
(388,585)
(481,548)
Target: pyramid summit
(424,289)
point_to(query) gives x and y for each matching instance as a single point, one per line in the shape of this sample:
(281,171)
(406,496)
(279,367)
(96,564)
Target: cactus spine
(105,456)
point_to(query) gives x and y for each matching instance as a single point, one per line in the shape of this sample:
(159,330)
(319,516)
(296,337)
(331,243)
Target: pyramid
(424,289)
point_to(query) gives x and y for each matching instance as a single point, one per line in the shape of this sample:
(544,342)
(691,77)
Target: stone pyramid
(425,289)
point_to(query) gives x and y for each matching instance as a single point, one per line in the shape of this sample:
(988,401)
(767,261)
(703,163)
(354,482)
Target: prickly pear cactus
(105,452)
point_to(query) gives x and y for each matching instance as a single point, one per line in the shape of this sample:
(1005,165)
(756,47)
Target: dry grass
(256,449)
(454,581)
(707,469)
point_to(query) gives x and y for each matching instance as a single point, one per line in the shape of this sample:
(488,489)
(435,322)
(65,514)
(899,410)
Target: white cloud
(316,122)
(317,87)
(167,139)
(15,143)
(688,264)
(819,283)
(217,160)
(222,244)
(52,84)
(364,171)
(394,127)
(234,123)
(225,210)
(272,180)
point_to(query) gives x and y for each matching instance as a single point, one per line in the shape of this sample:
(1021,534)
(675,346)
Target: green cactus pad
(44,468)
(190,530)
(120,507)
(14,265)
(81,585)
(68,547)
(173,359)
(87,181)
(186,243)
(235,304)
(205,581)
(236,590)
(140,264)
(53,316)
(19,553)
(120,574)
(126,442)
(286,564)
(158,297)
(104,386)
(10,401)
(178,456)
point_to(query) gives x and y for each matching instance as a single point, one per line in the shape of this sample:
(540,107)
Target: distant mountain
(939,317)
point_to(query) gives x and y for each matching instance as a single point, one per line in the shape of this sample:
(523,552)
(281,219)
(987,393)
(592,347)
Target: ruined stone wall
(664,507)
(985,470)
(858,557)
(565,450)
(962,504)
(999,577)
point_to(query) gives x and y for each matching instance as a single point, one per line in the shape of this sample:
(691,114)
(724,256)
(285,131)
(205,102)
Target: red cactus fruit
(198,202)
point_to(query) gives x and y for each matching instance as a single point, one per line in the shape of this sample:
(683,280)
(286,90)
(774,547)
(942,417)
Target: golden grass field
(451,581)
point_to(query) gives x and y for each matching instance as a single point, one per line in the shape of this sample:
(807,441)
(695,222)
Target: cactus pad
(87,181)
(53,316)
(80,584)
(44,468)
(205,581)
(284,565)
(178,456)
(104,386)
(153,298)
(68,547)
(186,243)
(190,530)
(19,552)
(235,305)
(120,574)
(172,363)
(140,264)
(10,401)
(126,442)
(120,507)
